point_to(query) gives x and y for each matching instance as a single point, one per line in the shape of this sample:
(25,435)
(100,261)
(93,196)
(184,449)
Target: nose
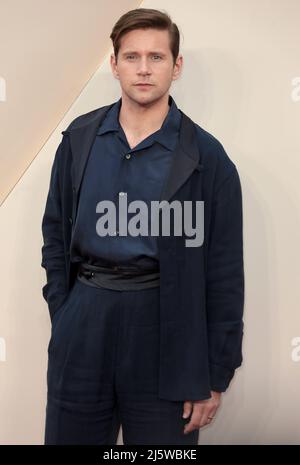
(143,67)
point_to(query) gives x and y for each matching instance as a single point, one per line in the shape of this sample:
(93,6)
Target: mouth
(143,85)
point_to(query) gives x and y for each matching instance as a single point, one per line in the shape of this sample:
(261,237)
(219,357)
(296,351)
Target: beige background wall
(241,82)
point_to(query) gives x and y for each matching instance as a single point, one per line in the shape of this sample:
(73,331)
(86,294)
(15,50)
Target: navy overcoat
(201,288)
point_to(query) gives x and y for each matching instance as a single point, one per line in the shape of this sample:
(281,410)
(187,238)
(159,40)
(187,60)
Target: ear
(114,66)
(177,67)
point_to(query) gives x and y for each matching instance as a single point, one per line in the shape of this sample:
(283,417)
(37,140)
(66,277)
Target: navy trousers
(103,368)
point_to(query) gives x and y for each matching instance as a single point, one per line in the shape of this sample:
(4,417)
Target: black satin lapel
(81,140)
(186,159)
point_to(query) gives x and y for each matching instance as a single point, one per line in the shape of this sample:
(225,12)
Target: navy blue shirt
(112,170)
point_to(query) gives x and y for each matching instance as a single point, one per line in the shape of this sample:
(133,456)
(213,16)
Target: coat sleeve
(53,257)
(225,283)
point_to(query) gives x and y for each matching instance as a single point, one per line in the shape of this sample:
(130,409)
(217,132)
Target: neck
(140,119)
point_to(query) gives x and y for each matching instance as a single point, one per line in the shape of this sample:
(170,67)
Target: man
(146,329)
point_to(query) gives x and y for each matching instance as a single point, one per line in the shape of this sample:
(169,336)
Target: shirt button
(128,156)
(121,193)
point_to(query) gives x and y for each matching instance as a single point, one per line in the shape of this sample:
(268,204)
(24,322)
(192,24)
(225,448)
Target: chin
(148,97)
(141,98)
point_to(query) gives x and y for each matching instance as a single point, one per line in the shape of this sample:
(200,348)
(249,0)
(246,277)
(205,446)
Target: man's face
(145,57)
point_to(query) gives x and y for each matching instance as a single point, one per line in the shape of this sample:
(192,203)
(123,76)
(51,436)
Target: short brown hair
(145,18)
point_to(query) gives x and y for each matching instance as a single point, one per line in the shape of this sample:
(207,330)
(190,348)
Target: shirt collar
(166,135)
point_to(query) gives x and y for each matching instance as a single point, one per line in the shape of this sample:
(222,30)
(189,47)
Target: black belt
(120,278)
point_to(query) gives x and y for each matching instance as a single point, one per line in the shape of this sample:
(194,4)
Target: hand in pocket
(59,308)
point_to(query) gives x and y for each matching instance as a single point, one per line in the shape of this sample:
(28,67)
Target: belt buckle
(87,273)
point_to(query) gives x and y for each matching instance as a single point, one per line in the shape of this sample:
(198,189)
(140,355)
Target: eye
(130,56)
(156,56)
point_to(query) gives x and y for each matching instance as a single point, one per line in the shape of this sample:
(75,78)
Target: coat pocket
(60,315)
